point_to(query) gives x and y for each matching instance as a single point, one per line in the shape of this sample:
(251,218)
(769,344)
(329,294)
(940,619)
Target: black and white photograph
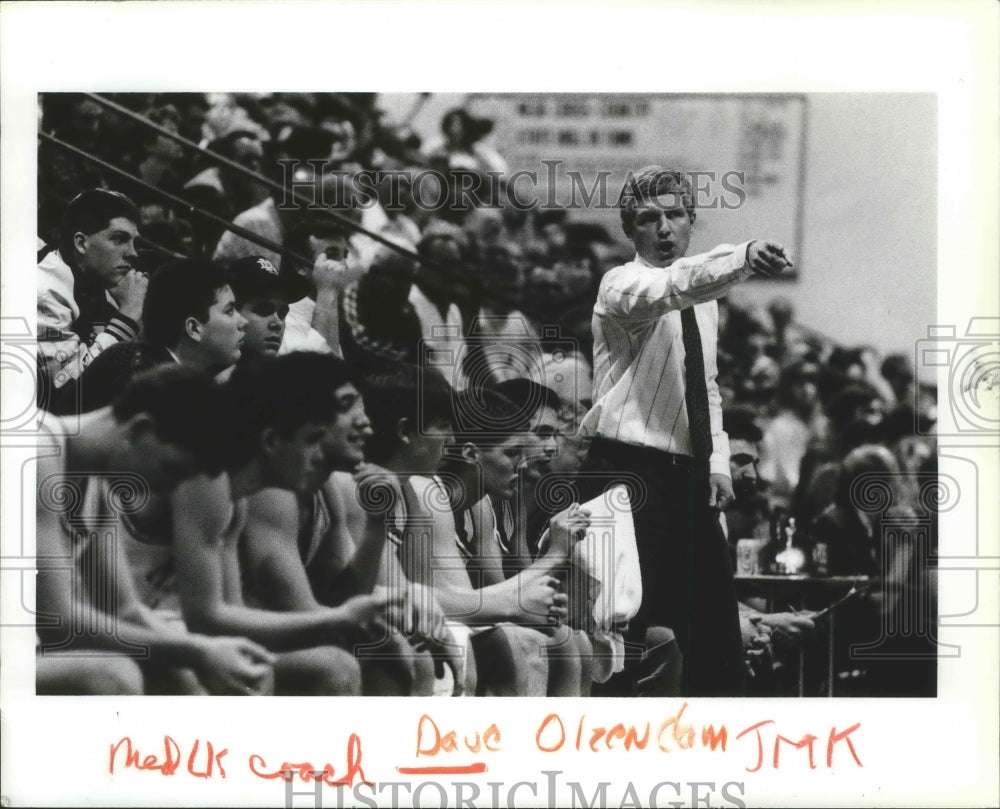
(681,404)
(496,338)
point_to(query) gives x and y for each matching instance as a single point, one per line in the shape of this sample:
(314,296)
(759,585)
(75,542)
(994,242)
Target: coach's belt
(619,449)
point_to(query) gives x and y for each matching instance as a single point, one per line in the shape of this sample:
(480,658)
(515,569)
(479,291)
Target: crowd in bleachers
(381,407)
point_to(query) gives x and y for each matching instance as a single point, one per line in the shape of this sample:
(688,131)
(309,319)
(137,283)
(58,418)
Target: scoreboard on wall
(743,153)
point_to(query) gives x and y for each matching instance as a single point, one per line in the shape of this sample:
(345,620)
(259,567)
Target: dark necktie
(695,390)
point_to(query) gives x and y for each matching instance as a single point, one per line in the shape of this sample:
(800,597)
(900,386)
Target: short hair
(425,247)
(897,366)
(900,423)
(392,263)
(485,417)
(186,407)
(841,359)
(91,211)
(551,216)
(179,290)
(161,116)
(226,144)
(312,224)
(740,423)
(646,184)
(284,394)
(421,395)
(847,400)
(473,128)
(304,143)
(794,374)
(498,257)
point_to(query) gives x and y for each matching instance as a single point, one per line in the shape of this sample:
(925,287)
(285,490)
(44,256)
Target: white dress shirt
(639,350)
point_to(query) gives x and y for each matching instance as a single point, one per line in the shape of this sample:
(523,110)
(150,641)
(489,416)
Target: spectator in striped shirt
(657,415)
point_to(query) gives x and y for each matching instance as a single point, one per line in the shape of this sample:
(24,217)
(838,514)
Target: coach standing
(657,415)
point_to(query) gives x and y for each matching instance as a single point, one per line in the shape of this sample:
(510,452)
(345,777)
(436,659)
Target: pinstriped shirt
(639,350)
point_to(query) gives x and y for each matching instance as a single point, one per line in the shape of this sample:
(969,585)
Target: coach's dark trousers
(687,579)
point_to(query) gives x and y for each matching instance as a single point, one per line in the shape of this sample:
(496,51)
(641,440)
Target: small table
(793,589)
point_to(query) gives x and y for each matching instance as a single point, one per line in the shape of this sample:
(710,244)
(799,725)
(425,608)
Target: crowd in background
(516,287)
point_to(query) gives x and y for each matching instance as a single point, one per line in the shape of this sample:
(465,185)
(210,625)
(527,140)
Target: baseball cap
(257,277)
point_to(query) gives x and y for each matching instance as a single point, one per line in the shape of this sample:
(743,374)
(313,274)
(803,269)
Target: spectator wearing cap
(190,317)
(90,293)
(263,296)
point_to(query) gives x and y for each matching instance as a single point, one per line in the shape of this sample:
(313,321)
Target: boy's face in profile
(743,459)
(160,464)
(108,255)
(498,467)
(344,442)
(662,230)
(222,334)
(427,446)
(265,317)
(294,462)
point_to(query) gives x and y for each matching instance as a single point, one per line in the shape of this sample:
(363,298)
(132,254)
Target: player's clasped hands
(231,665)
(767,258)
(368,617)
(539,598)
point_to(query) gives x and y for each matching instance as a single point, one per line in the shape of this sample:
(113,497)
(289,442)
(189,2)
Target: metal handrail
(251,174)
(249,235)
(154,245)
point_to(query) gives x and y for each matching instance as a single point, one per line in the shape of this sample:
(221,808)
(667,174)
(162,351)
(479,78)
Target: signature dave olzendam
(546,789)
